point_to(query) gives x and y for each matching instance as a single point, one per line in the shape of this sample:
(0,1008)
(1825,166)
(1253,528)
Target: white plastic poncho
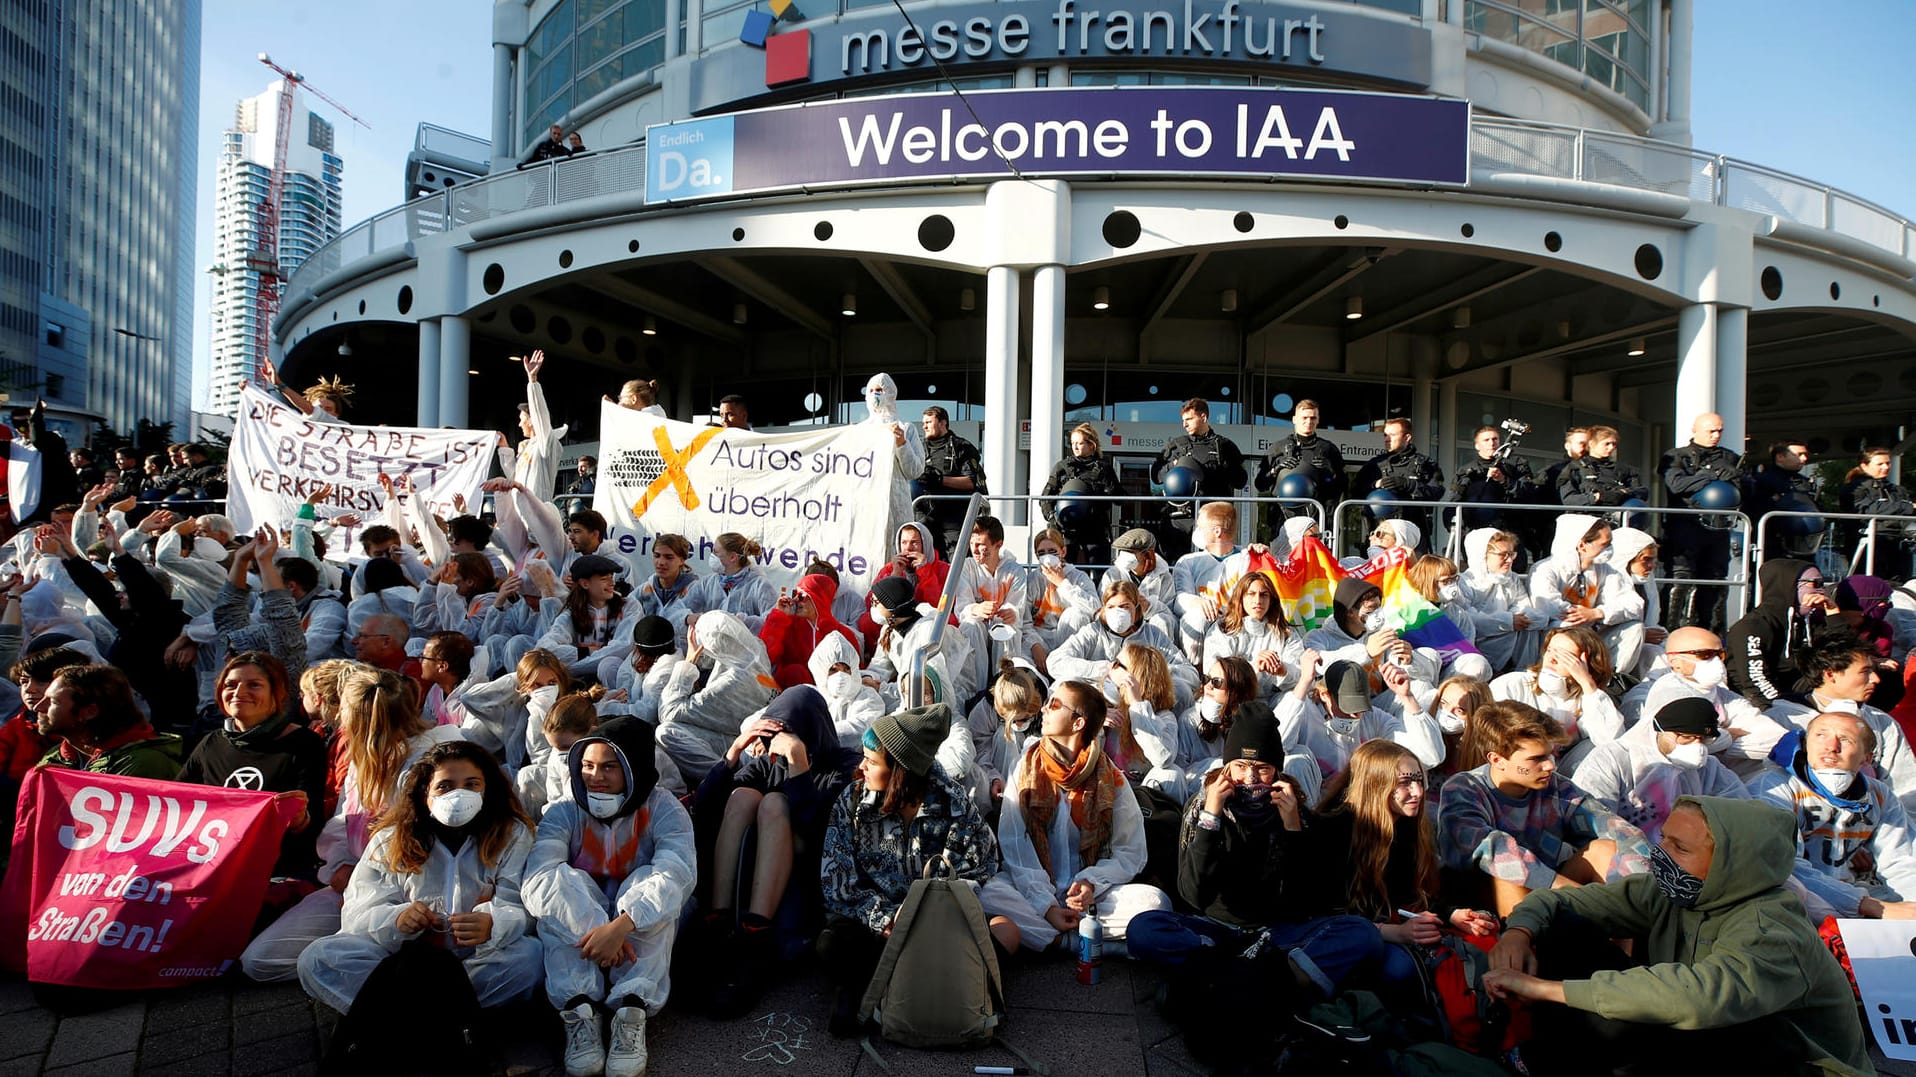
(697,725)
(908,458)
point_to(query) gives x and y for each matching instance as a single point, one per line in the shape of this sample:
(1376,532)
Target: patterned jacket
(871,859)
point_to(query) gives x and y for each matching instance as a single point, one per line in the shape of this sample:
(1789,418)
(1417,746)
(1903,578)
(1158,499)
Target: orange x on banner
(674,474)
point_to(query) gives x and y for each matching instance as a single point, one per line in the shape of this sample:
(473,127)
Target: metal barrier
(1246,521)
(1865,547)
(972,503)
(1736,586)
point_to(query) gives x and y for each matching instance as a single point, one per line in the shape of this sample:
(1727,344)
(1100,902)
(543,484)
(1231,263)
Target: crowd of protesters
(625,781)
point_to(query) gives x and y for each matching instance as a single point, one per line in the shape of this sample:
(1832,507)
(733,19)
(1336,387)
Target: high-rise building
(98,100)
(309,217)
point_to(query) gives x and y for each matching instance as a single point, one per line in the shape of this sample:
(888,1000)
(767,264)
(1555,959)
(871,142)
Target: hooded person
(1071,831)
(1734,978)
(642,679)
(1640,775)
(907,630)
(854,705)
(1790,611)
(1577,585)
(1502,622)
(1865,604)
(1292,535)
(46,620)
(908,446)
(1856,854)
(914,558)
(1358,631)
(611,870)
(1627,547)
(724,678)
(1092,650)
(1340,712)
(797,625)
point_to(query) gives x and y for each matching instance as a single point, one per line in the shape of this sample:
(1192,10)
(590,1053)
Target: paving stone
(26,1033)
(23,1066)
(211,1064)
(1051,983)
(184,1043)
(120,1065)
(16,996)
(271,1024)
(784,1035)
(101,1034)
(276,1055)
(188,1008)
(1070,1044)
(252,998)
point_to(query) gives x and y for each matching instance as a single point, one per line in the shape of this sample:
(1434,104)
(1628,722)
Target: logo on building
(788,57)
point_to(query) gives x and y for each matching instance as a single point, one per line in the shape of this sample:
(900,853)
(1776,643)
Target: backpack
(1454,969)
(417,1013)
(937,983)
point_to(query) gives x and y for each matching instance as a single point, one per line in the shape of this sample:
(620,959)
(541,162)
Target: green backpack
(937,983)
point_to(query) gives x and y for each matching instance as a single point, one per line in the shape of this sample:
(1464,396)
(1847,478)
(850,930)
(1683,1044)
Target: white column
(502,111)
(455,352)
(1732,373)
(1675,126)
(1047,373)
(674,13)
(428,372)
(1001,372)
(1696,379)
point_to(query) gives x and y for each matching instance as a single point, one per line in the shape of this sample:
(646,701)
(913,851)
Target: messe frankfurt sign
(1183,131)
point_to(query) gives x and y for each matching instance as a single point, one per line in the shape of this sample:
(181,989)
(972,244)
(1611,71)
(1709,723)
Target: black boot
(747,965)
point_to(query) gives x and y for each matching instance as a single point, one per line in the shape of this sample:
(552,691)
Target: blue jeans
(1328,949)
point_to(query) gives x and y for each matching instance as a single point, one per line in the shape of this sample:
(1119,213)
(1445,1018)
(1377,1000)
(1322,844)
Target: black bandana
(1681,887)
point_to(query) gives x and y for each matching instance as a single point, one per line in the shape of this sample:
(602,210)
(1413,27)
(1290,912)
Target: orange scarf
(1089,783)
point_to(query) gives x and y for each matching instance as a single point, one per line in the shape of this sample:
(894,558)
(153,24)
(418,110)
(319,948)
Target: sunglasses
(1705,654)
(1213,682)
(1056,704)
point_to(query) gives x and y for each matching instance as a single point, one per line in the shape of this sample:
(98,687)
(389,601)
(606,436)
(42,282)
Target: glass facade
(1609,40)
(583,47)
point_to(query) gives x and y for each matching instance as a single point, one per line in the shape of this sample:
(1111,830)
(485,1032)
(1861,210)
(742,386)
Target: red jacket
(789,639)
(21,745)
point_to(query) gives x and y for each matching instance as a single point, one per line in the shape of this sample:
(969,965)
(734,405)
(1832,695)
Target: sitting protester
(1229,688)
(1569,685)
(1855,852)
(1634,553)
(593,634)
(1135,561)
(775,786)
(639,683)
(854,704)
(1206,577)
(1253,627)
(1640,775)
(1693,667)
(1070,832)
(445,669)
(724,678)
(1733,978)
(1088,654)
(1003,727)
(448,858)
(1519,826)
(906,634)
(22,745)
(1141,727)
(1503,624)
(737,588)
(1436,580)
(917,563)
(1790,613)
(797,625)
(1377,818)
(1248,865)
(1340,714)
(611,870)
(990,599)
(1576,587)
(667,593)
(1358,631)
(1063,598)
(898,816)
(1840,673)
(91,709)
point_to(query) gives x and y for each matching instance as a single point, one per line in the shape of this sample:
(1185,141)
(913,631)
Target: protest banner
(1882,957)
(129,882)
(820,494)
(279,457)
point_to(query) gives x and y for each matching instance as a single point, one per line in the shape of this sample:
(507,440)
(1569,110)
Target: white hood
(1408,534)
(1571,527)
(1477,549)
(832,648)
(881,398)
(1291,534)
(731,644)
(1625,544)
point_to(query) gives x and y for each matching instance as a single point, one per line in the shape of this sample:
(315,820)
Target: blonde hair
(1054,535)
(1091,433)
(536,660)
(1221,513)
(644,392)
(1153,675)
(1016,695)
(378,719)
(1426,571)
(322,679)
(571,714)
(739,545)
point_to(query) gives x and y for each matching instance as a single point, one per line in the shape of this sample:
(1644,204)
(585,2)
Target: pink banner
(133,883)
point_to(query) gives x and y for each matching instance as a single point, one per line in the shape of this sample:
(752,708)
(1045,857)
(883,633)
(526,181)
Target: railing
(1512,147)
(1865,550)
(1247,529)
(1736,586)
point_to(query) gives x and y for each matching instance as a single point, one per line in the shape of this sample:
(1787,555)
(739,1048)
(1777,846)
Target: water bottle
(1090,950)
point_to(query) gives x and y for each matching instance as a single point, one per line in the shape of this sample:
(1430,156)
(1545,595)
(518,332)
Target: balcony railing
(1497,146)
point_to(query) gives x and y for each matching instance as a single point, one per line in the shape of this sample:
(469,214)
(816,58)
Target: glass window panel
(643,18)
(644,58)
(555,30)
(595,80)
(598,41)
(592,9)
(556,75)
(723,27)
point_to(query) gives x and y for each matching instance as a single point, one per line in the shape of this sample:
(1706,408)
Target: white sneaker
(627,1055)
(584,1045)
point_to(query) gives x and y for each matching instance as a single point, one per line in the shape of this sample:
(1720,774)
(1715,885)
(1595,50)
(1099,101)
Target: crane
(264,259)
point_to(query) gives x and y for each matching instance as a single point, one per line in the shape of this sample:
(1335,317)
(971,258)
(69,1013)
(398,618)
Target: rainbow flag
(1307,582)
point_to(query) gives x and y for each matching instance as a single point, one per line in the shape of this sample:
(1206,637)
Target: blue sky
(1819,89)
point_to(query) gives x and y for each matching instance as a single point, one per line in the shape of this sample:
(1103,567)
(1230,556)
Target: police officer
(1089,530)
(1868,490)
(1692,550)
(952,466)
(1219,462)
(1305,453)
(1402,470)
(1785,484)
(1599,478)
(1487,478)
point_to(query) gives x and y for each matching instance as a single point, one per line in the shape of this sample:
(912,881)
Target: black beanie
(653,635)
(1254,735)
(1690,714)
(894,593)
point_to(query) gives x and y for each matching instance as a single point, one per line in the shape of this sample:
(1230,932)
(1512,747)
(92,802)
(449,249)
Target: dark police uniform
(1691,549)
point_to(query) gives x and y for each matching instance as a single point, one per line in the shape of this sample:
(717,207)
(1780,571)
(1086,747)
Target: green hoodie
(1745,953)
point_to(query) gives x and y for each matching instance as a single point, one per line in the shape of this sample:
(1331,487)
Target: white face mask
(1126,561)
(542,699)
(604,805)
(1836,781)
(1552,683)
(457,808)
(878,400)
(1111,693)
(1708,673)
(1118,619)
(1374,621)
(1449,592)
(1450,723)
(1688,756)
(1371,552)
(1050,560)
(841,685)
(1209,709)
